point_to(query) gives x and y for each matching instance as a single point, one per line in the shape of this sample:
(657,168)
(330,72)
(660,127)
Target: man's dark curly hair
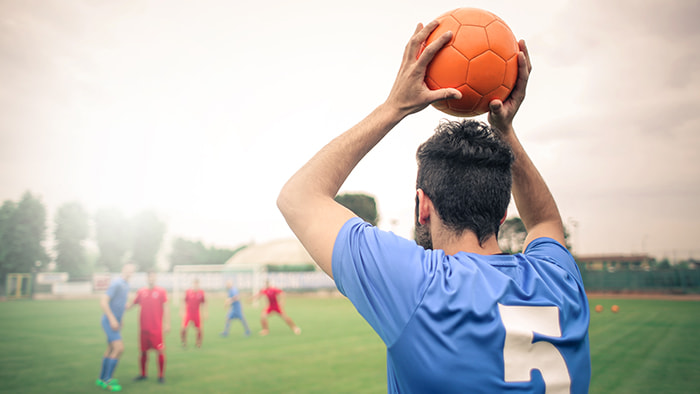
(465,169)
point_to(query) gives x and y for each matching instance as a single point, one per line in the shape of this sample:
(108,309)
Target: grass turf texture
(650,346)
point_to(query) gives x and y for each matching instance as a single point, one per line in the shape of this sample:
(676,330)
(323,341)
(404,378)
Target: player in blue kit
(455,313)
(236,312)
(113,304)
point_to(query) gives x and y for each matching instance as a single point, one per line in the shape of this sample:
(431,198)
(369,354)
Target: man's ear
(425,206)
(503,219)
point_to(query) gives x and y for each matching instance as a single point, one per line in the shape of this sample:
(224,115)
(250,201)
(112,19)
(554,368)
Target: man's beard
(421,233)
(423,236)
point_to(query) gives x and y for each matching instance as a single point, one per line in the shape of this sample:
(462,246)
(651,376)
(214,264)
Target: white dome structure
(281,252)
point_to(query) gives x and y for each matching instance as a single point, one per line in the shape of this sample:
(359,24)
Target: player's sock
(103,371)
(111,365)
(245,326)
(228,325)
(161,365)
(144,361)
(199,337)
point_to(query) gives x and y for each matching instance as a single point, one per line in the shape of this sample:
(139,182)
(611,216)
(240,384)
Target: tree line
(119,238)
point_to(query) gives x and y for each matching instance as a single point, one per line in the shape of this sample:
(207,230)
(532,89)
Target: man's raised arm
(535,202)
(307,199)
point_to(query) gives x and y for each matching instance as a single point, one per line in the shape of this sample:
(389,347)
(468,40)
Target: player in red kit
(274,306)
(194,298)
(155,317)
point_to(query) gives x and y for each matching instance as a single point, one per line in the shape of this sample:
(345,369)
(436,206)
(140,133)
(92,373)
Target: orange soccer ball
(598,308)
(481,61)
(615,308)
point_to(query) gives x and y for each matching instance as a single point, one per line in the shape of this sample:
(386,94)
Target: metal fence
(672,281)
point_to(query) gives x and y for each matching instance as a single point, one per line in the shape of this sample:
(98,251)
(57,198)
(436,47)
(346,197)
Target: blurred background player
(274,305)
(194,298)
(236,312)
(154,317)
(113,304)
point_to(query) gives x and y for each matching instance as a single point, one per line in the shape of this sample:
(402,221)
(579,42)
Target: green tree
(72,228)
(512,233)
(361,205)
(113,235)
(186,252)
(22,233)
(148,232)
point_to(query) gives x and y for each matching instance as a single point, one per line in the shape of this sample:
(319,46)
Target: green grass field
(650,346)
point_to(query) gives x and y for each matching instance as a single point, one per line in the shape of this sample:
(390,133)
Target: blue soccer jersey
(118,292)
(236,309)
(468,322)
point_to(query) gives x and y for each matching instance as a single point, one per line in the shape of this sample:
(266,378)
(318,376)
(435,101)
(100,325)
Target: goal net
(212,278)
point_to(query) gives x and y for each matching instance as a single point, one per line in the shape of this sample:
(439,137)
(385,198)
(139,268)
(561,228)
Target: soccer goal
(246,277)
(18,286)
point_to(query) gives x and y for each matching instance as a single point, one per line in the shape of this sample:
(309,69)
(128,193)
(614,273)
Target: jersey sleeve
(550,250)
(113,289)
(382,274)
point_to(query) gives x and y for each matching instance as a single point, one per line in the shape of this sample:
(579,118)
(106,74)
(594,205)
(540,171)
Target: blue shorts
(235,313)
(112,335)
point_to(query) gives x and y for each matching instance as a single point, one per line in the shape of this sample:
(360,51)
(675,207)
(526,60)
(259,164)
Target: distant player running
(236,311)
(155,316)
(113,303)
(194,298)
(274,306)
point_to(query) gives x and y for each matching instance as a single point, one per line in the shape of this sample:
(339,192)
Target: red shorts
(273,308)
(151,340)
(189,318)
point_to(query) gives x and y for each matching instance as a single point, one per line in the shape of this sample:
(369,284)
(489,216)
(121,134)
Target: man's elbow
(286,201)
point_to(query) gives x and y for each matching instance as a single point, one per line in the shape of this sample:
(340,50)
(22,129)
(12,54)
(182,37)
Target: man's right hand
(114,324)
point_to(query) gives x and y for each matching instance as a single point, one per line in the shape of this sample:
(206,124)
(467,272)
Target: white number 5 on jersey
(520,355)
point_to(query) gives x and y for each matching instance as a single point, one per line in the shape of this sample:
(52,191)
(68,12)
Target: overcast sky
(202,110)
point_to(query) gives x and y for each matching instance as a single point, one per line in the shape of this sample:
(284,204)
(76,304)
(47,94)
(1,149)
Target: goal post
(18,286)
(246,277)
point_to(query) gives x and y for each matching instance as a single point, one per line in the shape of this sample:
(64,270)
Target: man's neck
(467,242)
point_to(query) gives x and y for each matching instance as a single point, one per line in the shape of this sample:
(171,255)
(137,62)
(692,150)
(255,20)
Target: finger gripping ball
(481,61)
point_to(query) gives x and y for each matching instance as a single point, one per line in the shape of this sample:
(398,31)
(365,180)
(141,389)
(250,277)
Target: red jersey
(271,294)
(193,298)
(151,301)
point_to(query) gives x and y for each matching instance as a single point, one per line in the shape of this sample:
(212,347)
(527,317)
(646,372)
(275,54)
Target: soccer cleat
(161,380)
(223,334)
(140,378)
(100,383)
(297,330)
(112,387)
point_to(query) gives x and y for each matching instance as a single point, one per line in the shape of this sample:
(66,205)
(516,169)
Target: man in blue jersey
(455,313)
(113,304)
(233,299)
